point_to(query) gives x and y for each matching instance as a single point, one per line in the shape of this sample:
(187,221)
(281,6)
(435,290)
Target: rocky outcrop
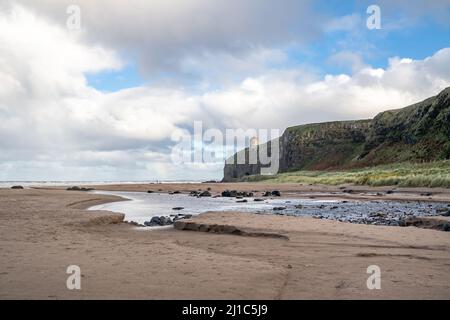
(223,229)
(420,132)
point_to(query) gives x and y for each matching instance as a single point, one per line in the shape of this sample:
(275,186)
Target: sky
(103,95)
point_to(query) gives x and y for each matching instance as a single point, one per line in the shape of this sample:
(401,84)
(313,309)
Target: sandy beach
(45,231)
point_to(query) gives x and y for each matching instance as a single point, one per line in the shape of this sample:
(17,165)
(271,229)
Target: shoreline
(288,190)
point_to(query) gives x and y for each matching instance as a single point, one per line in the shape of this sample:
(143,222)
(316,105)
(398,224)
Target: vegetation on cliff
(388,149)
(431,174)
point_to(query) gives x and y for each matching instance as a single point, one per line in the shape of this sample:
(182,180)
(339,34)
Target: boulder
(205,194)
(158,221)
(17,187)
(446,214)
(76,188)
(230,194)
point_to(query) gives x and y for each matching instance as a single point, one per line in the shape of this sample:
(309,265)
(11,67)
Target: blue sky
(418,38)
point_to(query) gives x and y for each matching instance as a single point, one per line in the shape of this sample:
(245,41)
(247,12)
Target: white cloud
(55,126)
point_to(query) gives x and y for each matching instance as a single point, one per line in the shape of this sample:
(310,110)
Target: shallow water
(142,206)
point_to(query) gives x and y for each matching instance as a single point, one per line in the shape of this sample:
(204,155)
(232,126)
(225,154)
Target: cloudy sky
(103,102)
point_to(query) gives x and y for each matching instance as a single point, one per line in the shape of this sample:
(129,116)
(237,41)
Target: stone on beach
(158,221)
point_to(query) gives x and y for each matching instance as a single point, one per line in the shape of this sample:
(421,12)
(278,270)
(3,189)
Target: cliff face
(417,133)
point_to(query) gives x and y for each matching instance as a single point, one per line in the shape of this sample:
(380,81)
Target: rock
(205,194)
(276,193)
(228,193)
(390,192)
(178,208)
(426,194)
(446,214)
(150,191)
(258,199)
(176,192)
(158,221)
(298,206)
(279,208)
(236,194)
(17,187)
(266,194)
(193,193)
(241,201)
(76,188)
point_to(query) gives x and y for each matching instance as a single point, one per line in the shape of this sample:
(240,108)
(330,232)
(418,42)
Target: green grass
(431,174)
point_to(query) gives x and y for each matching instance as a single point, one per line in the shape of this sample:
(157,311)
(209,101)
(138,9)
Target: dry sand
(44,231)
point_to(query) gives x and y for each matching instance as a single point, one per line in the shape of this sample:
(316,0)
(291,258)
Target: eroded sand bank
(44,231)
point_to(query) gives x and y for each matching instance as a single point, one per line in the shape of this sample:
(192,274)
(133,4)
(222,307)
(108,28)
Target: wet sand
(44,231)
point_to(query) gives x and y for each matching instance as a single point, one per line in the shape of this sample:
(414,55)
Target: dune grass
(432,174)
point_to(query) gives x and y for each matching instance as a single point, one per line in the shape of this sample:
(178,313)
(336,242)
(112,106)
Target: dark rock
(276,193)
(17,187)
(178,208)
(158,221)
(75,188)
(390,192)
(266,194)
(228,193)
(205,194)
(258,199)
(279,208)
(241,201)
(236,194)
(150,191)
(446,214)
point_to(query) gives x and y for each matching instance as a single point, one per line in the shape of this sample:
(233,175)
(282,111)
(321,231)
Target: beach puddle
(143,206)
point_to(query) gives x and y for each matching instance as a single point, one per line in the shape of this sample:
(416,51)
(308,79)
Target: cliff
(417,133)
